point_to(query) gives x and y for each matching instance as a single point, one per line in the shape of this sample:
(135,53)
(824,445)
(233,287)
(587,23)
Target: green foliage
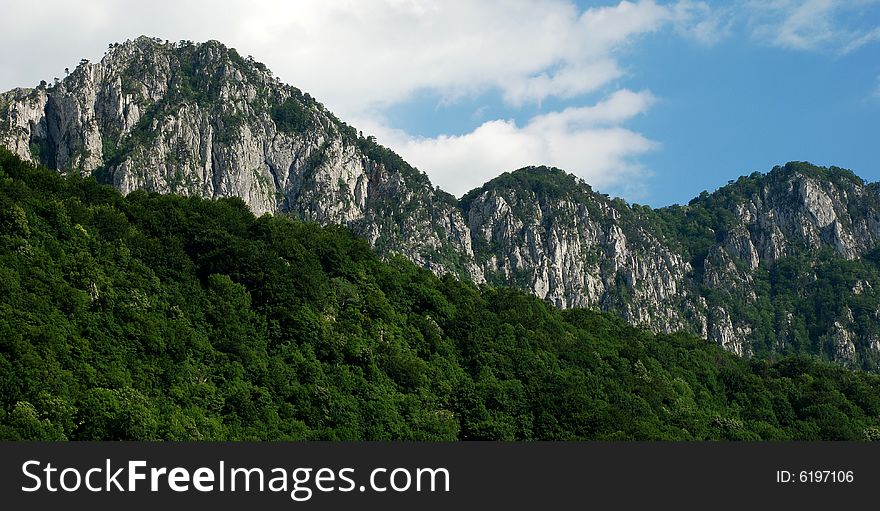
(391,161)
(317,157)
(42,152)
(229,126)
(164,317)
(291,117)
(549,183)
(196,80)
(708,217)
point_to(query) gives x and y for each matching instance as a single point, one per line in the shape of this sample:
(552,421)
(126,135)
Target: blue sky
(742,105)
(737,105)
(652,101)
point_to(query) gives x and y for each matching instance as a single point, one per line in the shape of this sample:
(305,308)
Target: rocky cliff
(199,119)
(545,230)
(787,260)
(751,266)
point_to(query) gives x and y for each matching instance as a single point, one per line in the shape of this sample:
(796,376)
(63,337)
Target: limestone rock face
(794,213)
(576,248)
(198,119)
(796,210)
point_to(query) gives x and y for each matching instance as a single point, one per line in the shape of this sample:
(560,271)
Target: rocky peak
(199,119)
(545,230)
(795,208)
(768,236)
(736,266)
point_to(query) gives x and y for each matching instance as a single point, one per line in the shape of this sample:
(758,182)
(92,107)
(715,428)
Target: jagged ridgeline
(158,316)
(777,263)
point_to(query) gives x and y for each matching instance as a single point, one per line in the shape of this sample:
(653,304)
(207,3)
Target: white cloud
(859,40)
(588,141)
(796,25)
(527,50)
(698,21)
(359,56)
(828,25)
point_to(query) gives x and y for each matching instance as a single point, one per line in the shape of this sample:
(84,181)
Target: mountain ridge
(199,119)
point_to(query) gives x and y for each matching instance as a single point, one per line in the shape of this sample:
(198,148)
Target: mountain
(541,229)
(155,316)
(198,119)
(782,262)
(789,260)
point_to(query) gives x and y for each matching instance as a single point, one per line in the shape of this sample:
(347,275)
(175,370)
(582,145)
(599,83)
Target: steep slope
(544,230)
(788,261)
(777,263)
(198,119)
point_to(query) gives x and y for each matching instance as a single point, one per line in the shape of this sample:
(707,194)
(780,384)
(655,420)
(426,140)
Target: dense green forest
(163,317)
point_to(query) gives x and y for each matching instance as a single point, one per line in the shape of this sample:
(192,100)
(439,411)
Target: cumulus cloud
(381,54)
(587,141)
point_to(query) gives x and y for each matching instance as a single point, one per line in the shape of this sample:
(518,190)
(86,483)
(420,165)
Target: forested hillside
(783,263)
(162,317)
